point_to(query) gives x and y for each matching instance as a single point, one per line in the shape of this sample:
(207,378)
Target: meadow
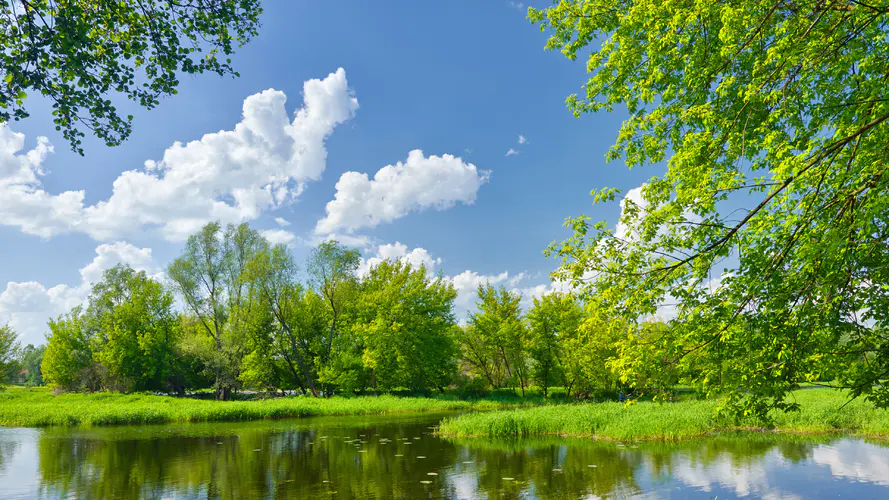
(823,411)
(38,407)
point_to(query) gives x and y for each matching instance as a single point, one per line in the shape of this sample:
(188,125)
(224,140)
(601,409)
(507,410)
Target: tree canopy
(9,348)
(768,228)
(79,54)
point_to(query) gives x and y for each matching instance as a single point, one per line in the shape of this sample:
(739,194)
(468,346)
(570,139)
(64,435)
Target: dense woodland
(236,313)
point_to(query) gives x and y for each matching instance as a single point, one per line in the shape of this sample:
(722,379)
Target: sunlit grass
(823,411)
(40,408)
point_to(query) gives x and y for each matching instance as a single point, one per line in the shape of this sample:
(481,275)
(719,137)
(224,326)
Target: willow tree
(78,54)
(768,228)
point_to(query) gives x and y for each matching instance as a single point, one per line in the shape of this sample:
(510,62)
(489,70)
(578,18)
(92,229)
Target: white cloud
(396,190)
(230,175)
(466,284)
(27,306)
(416,257)
(522,139)
(517,5)
(282,222)
(349,240)
(109,255)
(511,152)
(278,236)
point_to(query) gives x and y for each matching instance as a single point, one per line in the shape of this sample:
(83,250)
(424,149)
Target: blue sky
(459,78)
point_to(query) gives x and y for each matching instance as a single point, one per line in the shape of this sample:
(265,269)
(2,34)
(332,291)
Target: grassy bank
(40,408)
(822,412)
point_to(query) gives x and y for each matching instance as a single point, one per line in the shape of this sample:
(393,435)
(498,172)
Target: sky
(434,132)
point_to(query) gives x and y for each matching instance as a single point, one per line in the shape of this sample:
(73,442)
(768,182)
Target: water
(369,457)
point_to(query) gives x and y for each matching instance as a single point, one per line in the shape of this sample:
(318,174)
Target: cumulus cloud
(522,139)
(416,257)
(465,283)
(278,236)
(230,175)
(511,152)
(420,183)
(282,222)
(27,305)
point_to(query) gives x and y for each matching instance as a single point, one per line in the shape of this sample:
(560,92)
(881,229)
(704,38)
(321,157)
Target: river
(400,457)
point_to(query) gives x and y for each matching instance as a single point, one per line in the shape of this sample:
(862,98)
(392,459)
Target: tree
(68,361)
(75,53)
(31,359)
(9,349)
(332,270)
(768,228)
(135,330)
(553,320)
(293,327)
(211,277)
(591,350)
(494,339)
(404,318)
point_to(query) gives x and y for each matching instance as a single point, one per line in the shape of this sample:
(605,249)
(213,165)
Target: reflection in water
(380,457)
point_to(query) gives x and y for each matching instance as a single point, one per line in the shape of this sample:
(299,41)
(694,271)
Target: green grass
(822,412)
(21,407)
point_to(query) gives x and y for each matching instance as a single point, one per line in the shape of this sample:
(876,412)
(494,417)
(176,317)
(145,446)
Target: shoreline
(40,409)
(822,412)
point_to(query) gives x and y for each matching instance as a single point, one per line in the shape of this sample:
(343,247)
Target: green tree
(211,277)
(772,119)
(31,359)
(9,351)
(135,330)
(493,343)
(77,52)
(68,361)
(590,353)
(291,325)
(332,269)
(404,318)
(552,320)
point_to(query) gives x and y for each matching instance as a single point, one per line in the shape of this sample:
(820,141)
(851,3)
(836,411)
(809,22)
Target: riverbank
(822,412)
(40,408)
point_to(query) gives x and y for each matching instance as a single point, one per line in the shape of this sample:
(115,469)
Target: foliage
(552,323)
(768,228)
(79,52)
(292,324)
(332,269)
(493,342)
(68,361)
(135,330)
(404,318)
(31,359)
(9,349)
(212,279)
(123,341)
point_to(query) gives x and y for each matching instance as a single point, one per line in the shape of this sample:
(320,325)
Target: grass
(38,407)
(822,412)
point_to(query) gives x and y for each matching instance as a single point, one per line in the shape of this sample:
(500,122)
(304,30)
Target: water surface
(399,457)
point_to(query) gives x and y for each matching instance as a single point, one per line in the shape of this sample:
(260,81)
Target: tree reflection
(358,458)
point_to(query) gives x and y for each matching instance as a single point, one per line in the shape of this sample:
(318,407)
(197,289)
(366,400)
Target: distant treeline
(245,320)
